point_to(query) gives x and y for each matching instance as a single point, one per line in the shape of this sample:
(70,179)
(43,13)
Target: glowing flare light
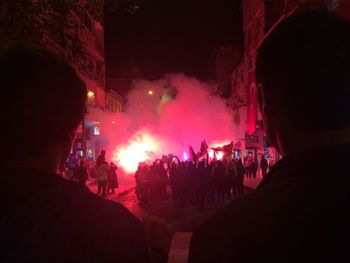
(218,154)
(185,156)
(141,148)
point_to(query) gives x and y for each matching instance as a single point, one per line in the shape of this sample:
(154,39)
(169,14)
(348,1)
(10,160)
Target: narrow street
(181,218)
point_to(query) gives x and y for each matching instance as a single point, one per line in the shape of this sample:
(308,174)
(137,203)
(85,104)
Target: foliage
(28,20)
(57,21)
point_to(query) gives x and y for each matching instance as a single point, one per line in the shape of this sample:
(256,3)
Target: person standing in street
(254,168)
(112,179)
(263,166)
(80,173)
(102,176)
(101,158)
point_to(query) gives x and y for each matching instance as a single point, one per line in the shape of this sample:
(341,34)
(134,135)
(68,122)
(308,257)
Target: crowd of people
(190,182)
(299,213)
(80,170)
(106,175)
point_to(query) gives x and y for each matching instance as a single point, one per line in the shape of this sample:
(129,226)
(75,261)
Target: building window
(90,64)
(98,67)
(91,98)
(89,22)
(96,131)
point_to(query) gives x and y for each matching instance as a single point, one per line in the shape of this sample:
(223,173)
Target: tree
(29,20)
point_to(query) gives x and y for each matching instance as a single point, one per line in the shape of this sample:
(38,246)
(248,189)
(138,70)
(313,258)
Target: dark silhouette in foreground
(300,212)
(44,217)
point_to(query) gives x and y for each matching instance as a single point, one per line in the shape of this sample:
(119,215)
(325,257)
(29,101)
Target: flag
(225,148)
(228,147)
(252,109)
(203,150)
(205,145)
(193,156)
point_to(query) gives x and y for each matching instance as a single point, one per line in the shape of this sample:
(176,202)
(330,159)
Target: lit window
(96,131)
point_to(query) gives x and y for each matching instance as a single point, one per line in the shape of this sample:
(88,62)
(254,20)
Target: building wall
(90,66)
(79,38)
(114,102)
(225,59)
(119,85)
(253,22)
(238,84)
(260,17)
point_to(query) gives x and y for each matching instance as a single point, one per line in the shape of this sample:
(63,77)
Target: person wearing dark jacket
(80,173)
(300,211)
(44,217)
(101,158)
(112,179)
(263,165)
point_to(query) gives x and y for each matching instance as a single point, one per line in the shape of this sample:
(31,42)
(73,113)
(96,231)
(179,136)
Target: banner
(225,148)
(193,156)
(203,150)
(252,109)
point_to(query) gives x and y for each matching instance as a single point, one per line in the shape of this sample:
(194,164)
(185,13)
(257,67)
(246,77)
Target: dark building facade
(260,17)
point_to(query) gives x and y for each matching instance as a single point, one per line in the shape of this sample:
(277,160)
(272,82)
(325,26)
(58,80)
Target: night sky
(166,36)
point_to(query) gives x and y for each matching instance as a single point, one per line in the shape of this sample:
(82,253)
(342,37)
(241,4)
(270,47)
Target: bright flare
(142,147)
(219,154)
(185,156)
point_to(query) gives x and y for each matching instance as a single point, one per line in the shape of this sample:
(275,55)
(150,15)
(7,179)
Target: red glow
(152,126)
(219,154)
(185,156)
(141,148)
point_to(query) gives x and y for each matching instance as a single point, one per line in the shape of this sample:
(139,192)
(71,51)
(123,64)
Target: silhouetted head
(42,103)
(303,71)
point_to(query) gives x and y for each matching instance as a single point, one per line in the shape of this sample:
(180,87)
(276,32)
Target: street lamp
(90,94)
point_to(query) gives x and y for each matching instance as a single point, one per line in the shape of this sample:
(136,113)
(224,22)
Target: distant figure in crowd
(80,173)
(101,158)
(240,178)
(301,210)
(44,217)
(271,163)
(112,179)
(102,172)
(254,168)
(93,170)
(248,166)
(72,163)
(263,166)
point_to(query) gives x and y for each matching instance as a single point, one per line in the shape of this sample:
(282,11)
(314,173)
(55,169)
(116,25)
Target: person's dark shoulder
(68,223)
(114,230)
(230,233)
(103,210)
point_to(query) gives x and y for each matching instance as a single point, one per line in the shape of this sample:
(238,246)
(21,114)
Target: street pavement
(183,219)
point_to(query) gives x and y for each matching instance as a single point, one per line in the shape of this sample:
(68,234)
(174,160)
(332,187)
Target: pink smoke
(163,117)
